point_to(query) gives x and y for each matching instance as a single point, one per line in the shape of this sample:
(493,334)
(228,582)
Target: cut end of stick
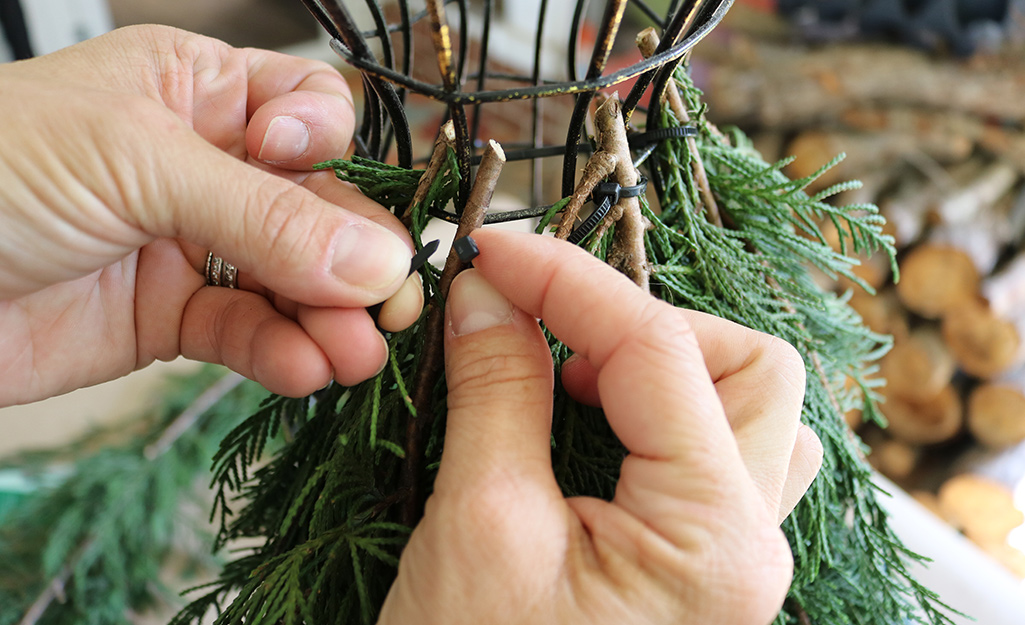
(448,132)
(647,40)
(495,148)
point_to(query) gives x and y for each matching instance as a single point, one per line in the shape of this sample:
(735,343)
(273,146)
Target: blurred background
(927,100)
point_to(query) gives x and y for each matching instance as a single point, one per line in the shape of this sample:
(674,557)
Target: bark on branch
(601,165)
(446,140)
(647,42)
(432,360)
(627,253)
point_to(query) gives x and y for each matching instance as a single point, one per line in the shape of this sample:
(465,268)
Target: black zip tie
(419,260)
(584,229)
(605,195)
(639,140)
(466,249)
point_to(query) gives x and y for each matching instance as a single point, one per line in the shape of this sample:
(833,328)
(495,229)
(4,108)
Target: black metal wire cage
(465,78)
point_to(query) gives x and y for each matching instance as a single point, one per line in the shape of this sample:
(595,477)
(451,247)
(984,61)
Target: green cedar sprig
(323,509)
(849,566)
(88,545)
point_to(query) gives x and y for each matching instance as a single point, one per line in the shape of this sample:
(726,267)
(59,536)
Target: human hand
(708,410)
(125,158)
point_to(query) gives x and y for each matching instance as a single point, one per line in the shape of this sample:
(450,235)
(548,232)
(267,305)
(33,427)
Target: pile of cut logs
(940,147)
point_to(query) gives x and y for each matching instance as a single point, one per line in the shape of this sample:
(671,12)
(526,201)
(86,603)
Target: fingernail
(370,257)
(287,139)
(385,363)
(475,305)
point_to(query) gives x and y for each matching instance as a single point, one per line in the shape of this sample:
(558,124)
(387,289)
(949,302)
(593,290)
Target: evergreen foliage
(88,546)
(314,483)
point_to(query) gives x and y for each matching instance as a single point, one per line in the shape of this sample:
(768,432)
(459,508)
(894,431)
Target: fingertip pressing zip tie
(419,260)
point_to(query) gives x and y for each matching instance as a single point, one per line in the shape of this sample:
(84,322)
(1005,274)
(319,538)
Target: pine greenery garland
(315,481)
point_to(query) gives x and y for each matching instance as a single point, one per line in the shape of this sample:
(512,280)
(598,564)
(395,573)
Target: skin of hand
(708,410)
(125,158)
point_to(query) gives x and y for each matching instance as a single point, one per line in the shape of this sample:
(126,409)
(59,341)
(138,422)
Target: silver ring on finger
(220,272)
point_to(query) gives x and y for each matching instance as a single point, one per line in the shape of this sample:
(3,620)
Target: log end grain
(894,459)
(983,344)
(937,278)
(928,500)
(810,151)
(918,367)
(996,415)
(924,423)
(1007,556)
(882,313)
(982,509)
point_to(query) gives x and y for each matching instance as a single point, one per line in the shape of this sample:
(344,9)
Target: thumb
(499,373)
(280,233)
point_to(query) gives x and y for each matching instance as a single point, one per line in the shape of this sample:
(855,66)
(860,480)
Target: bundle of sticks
(940,147)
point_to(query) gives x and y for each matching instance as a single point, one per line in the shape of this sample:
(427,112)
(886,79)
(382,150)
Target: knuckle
(275,211)
(755,580)
(742,581)
(491,511)
(222,332)
(783,362)
(662,330)
(491,376)
(785,355)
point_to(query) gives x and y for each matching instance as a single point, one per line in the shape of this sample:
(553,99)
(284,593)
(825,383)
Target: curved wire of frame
(385,85)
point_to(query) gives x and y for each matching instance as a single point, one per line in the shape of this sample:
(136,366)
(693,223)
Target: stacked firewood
(940,146)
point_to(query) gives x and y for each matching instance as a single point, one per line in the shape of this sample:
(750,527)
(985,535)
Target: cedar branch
(54,590)
(432,360)
(647,42)
(598,167)
(446,140)
(627,254)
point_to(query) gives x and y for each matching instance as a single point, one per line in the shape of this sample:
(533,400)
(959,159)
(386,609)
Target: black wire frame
(387,81)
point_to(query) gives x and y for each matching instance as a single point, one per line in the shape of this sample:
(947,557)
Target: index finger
(283,88)
(654,385)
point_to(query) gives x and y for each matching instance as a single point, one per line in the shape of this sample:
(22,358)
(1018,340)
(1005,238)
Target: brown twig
(627,253)
(446,140)
(601,165)
(206,400)
(802,616)
(647,42)
(432,360)
(54,591)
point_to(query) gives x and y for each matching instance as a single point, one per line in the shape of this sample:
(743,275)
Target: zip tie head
(466,249)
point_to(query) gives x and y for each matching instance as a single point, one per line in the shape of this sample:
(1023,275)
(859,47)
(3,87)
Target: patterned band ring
(220,272)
